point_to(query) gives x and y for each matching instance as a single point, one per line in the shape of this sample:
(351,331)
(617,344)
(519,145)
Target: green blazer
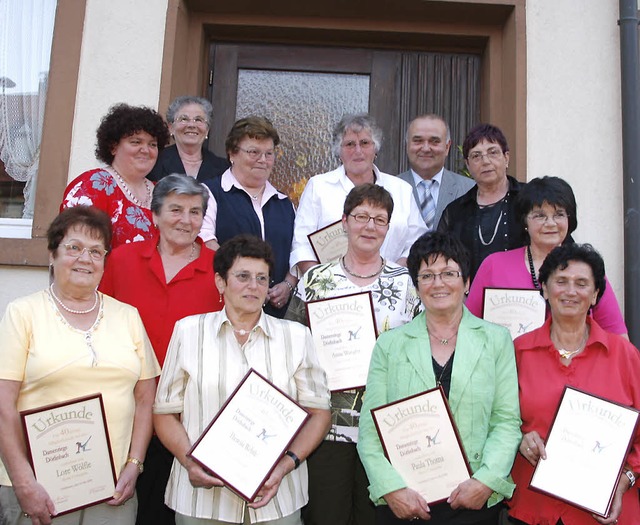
(483,398)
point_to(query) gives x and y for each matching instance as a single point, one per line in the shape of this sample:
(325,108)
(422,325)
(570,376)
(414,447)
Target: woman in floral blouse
(128,141)
(337,481)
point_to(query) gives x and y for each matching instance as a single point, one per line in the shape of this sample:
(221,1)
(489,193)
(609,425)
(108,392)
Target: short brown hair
(371,193)
(90,217)
(259,128)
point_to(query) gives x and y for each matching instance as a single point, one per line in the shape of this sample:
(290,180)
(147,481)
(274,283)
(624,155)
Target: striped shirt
(204,365)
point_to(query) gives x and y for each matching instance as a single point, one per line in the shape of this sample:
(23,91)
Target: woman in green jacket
(474,363)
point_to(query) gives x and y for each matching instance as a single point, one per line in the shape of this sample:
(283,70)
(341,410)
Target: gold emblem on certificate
(420,439)
(586,449)
(68,445)
(249,435)
(329,243)
(518,310)
(344,334)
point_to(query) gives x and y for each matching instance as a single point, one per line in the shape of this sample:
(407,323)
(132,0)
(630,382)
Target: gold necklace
(568,354)
(442,340)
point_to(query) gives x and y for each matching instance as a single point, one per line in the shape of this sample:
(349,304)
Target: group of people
(142,309)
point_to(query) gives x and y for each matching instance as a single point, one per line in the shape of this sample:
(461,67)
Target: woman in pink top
(546,207)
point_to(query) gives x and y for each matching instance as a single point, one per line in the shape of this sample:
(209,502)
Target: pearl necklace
(130,194)
(241,331)
(71,311)
(346,269)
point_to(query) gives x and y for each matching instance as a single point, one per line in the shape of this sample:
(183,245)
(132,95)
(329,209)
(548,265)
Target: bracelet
(631,476)
(137,463)
(289,285)
(295,458)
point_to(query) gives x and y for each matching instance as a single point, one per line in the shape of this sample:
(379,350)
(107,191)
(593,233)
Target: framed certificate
(329,243)
(68,447)
(344,334)
(249,435)
(587,445)
(518,310)
(421,440)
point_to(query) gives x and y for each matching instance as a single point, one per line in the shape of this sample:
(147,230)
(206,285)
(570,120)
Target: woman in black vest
(246,202)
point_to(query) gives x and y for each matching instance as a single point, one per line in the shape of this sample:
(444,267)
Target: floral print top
(395,302)
(129,222)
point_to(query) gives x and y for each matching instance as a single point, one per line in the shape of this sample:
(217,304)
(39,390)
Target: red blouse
(134,274)
(608,367)
(129,222)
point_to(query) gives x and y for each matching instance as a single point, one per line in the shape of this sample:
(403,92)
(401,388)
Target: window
(22,241)
(26,33)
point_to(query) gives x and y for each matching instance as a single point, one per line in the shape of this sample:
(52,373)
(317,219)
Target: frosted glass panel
(304,107)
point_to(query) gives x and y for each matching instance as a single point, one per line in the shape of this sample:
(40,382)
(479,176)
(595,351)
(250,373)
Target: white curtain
(26,32)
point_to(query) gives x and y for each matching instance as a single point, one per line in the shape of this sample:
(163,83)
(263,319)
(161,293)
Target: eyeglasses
(246,277)
(448,277)
(364,144)
(255,154)
(363,218)
(198,121)
(541,218)
(492,154)
(73,250)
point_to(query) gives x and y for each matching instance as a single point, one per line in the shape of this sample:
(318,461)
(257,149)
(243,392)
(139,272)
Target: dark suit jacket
(169,162)
(452,187)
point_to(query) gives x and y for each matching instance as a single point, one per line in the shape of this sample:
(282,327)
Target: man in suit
(428,142)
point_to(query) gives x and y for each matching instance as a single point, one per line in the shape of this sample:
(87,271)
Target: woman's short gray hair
(180,185)
(178,102)
(355,123)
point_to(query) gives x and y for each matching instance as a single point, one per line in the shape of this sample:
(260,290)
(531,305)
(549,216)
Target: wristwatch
(631,476)
(296,459)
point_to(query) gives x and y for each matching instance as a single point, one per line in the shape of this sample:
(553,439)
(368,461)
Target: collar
(417,179)
(339,175)
(229,181)
(541,337)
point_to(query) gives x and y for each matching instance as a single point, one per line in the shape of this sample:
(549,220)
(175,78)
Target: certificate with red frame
(329,243)
(344,334)
(421,440)
(249,435)
(587,446)
(68,447)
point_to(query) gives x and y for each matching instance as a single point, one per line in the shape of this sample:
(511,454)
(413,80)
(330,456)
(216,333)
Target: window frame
(56,140)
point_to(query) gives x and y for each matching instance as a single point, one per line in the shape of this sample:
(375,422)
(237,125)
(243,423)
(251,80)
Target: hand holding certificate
(420,439)
(586,450)
(249,435)
(68,445)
